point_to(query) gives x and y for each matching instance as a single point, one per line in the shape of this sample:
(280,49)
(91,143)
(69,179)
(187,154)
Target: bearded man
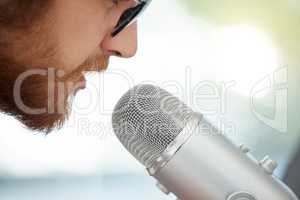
(46,46)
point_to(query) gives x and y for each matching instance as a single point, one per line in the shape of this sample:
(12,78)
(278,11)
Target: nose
(124,44)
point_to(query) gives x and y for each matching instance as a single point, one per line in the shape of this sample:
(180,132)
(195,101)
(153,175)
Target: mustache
(91,64)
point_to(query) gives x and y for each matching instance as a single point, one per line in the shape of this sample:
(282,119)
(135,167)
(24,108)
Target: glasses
(130,15)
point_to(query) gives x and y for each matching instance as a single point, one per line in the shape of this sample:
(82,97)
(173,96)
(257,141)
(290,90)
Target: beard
(34,86)
(41,97)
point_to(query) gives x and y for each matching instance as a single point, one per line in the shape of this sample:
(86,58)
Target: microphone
(187,155)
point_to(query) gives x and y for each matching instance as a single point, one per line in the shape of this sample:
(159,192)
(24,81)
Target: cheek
(80,29)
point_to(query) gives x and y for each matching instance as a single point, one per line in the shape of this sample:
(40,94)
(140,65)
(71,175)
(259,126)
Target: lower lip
(82,84)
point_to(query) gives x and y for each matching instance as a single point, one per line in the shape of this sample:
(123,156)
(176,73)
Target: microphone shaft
(208,166)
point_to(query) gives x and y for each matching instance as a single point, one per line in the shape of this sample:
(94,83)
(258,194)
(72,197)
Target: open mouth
(80,85)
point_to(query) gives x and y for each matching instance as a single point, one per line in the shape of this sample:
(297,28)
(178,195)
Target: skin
(83,29)
(67,40)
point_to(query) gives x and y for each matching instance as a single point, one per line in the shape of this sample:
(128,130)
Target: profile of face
(46,46)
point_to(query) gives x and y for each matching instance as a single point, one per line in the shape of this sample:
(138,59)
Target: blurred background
(235,61)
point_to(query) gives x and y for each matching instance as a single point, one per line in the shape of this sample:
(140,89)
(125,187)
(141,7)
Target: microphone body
(207,166)
(187,155)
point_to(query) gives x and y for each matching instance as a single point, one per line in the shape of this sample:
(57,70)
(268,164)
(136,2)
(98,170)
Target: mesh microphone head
(147,119)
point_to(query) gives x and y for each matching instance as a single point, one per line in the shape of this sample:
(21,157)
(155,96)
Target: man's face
(41,66)
(83,27)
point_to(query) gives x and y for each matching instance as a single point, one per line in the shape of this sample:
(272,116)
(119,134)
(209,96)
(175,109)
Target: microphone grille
(147,119)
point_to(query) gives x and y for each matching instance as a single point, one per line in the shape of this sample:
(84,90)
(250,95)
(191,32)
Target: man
(47,45)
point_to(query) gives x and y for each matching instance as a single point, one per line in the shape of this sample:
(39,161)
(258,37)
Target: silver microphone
(187,155)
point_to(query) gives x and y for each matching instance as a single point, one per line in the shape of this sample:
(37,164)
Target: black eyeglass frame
(130,15)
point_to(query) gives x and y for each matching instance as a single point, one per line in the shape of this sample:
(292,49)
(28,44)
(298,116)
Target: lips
(81,84)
